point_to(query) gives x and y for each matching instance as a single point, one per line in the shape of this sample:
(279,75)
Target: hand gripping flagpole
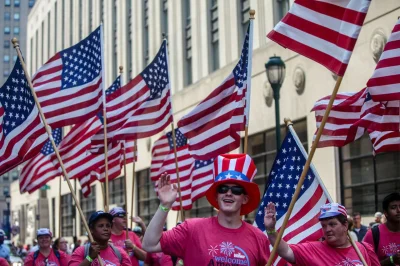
(48,130)
(305,170)
(248,82)
(106,204)
(289,124)
(121,70)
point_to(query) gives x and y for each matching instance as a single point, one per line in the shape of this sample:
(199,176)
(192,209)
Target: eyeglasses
(236,190)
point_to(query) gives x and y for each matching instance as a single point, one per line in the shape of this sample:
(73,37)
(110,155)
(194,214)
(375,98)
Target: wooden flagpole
(59,208)
(252,13)
(305,170)
(177,172)
(289,124)
(133,182)
(121,70)
(48,130)
(106,207)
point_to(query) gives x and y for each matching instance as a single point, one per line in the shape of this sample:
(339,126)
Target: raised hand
(166,192)
(137,219)
(270,217)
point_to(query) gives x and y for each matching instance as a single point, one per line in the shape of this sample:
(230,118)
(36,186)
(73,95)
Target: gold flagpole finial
(15,42)
(121,69)
(288,122)
(252,13)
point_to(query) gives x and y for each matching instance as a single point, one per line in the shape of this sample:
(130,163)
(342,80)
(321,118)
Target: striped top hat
(235,169)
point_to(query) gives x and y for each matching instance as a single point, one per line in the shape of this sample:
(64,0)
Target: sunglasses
(236,190)
(120,215)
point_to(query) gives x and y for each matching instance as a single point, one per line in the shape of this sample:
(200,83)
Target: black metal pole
(276,88)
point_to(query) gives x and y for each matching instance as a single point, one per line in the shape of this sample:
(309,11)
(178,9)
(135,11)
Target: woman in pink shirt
(335,250)
(46,256)
(100,226)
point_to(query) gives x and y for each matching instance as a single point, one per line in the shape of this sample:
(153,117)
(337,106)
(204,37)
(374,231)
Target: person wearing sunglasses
(46,256)
(132,246)
(225,239)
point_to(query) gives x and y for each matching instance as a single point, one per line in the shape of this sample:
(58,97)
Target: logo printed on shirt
(106,262)
(228,253)
(391,249)
(350,262)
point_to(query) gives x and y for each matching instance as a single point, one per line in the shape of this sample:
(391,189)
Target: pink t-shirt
(389,242)
(320,253)
(107,255)
(119,241)
(52,259)
(158,259)
(4,262)
(203,241)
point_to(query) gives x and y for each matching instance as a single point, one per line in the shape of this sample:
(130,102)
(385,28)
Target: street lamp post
(8,227)
(276,71)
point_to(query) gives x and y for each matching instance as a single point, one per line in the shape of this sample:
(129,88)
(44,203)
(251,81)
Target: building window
(53,218)
(16,16)
(244,20)
(6,191)
(164,17)
(146,53)
(6,44)
(90,9)
(14,174)
(6,58)
(366,180)
(6,73)
(7,2)
(31,3)
(6,178)
(88,206)
(80,20)
(146,196)
(62,24)
(282,7)
(187,43)
(16,3)
(7,30)
(202,208)
(115,40)
(67,215)
(262,148)
(214,54)
(129,34)
(116,191)
(7,16)
(71,22)
(16,30)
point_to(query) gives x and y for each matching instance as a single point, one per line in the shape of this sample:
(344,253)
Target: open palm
(166,192)
(270,216)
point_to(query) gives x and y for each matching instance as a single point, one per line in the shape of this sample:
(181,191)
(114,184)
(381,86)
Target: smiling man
(336,249)
(221,240)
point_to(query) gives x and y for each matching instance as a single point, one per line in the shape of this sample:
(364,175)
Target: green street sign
(45,187)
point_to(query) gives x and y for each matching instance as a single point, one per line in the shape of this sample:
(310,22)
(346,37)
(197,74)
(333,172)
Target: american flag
(353,114)
(325,31)
(384,85)
(40,169)
(98,138)
(303,224)
(195,176)
(212,126)
(115,164)
(346,111)
(142,107)
(22,134)
(69,86)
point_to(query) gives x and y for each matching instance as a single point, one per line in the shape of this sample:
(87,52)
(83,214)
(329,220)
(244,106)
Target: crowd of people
(225,239)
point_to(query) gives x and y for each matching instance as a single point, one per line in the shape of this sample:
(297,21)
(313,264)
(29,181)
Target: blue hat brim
(101,215)
(329,214)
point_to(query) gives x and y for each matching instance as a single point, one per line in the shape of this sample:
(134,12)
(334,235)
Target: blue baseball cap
(99,214)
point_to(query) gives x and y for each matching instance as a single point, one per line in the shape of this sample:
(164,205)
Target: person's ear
(245,199)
